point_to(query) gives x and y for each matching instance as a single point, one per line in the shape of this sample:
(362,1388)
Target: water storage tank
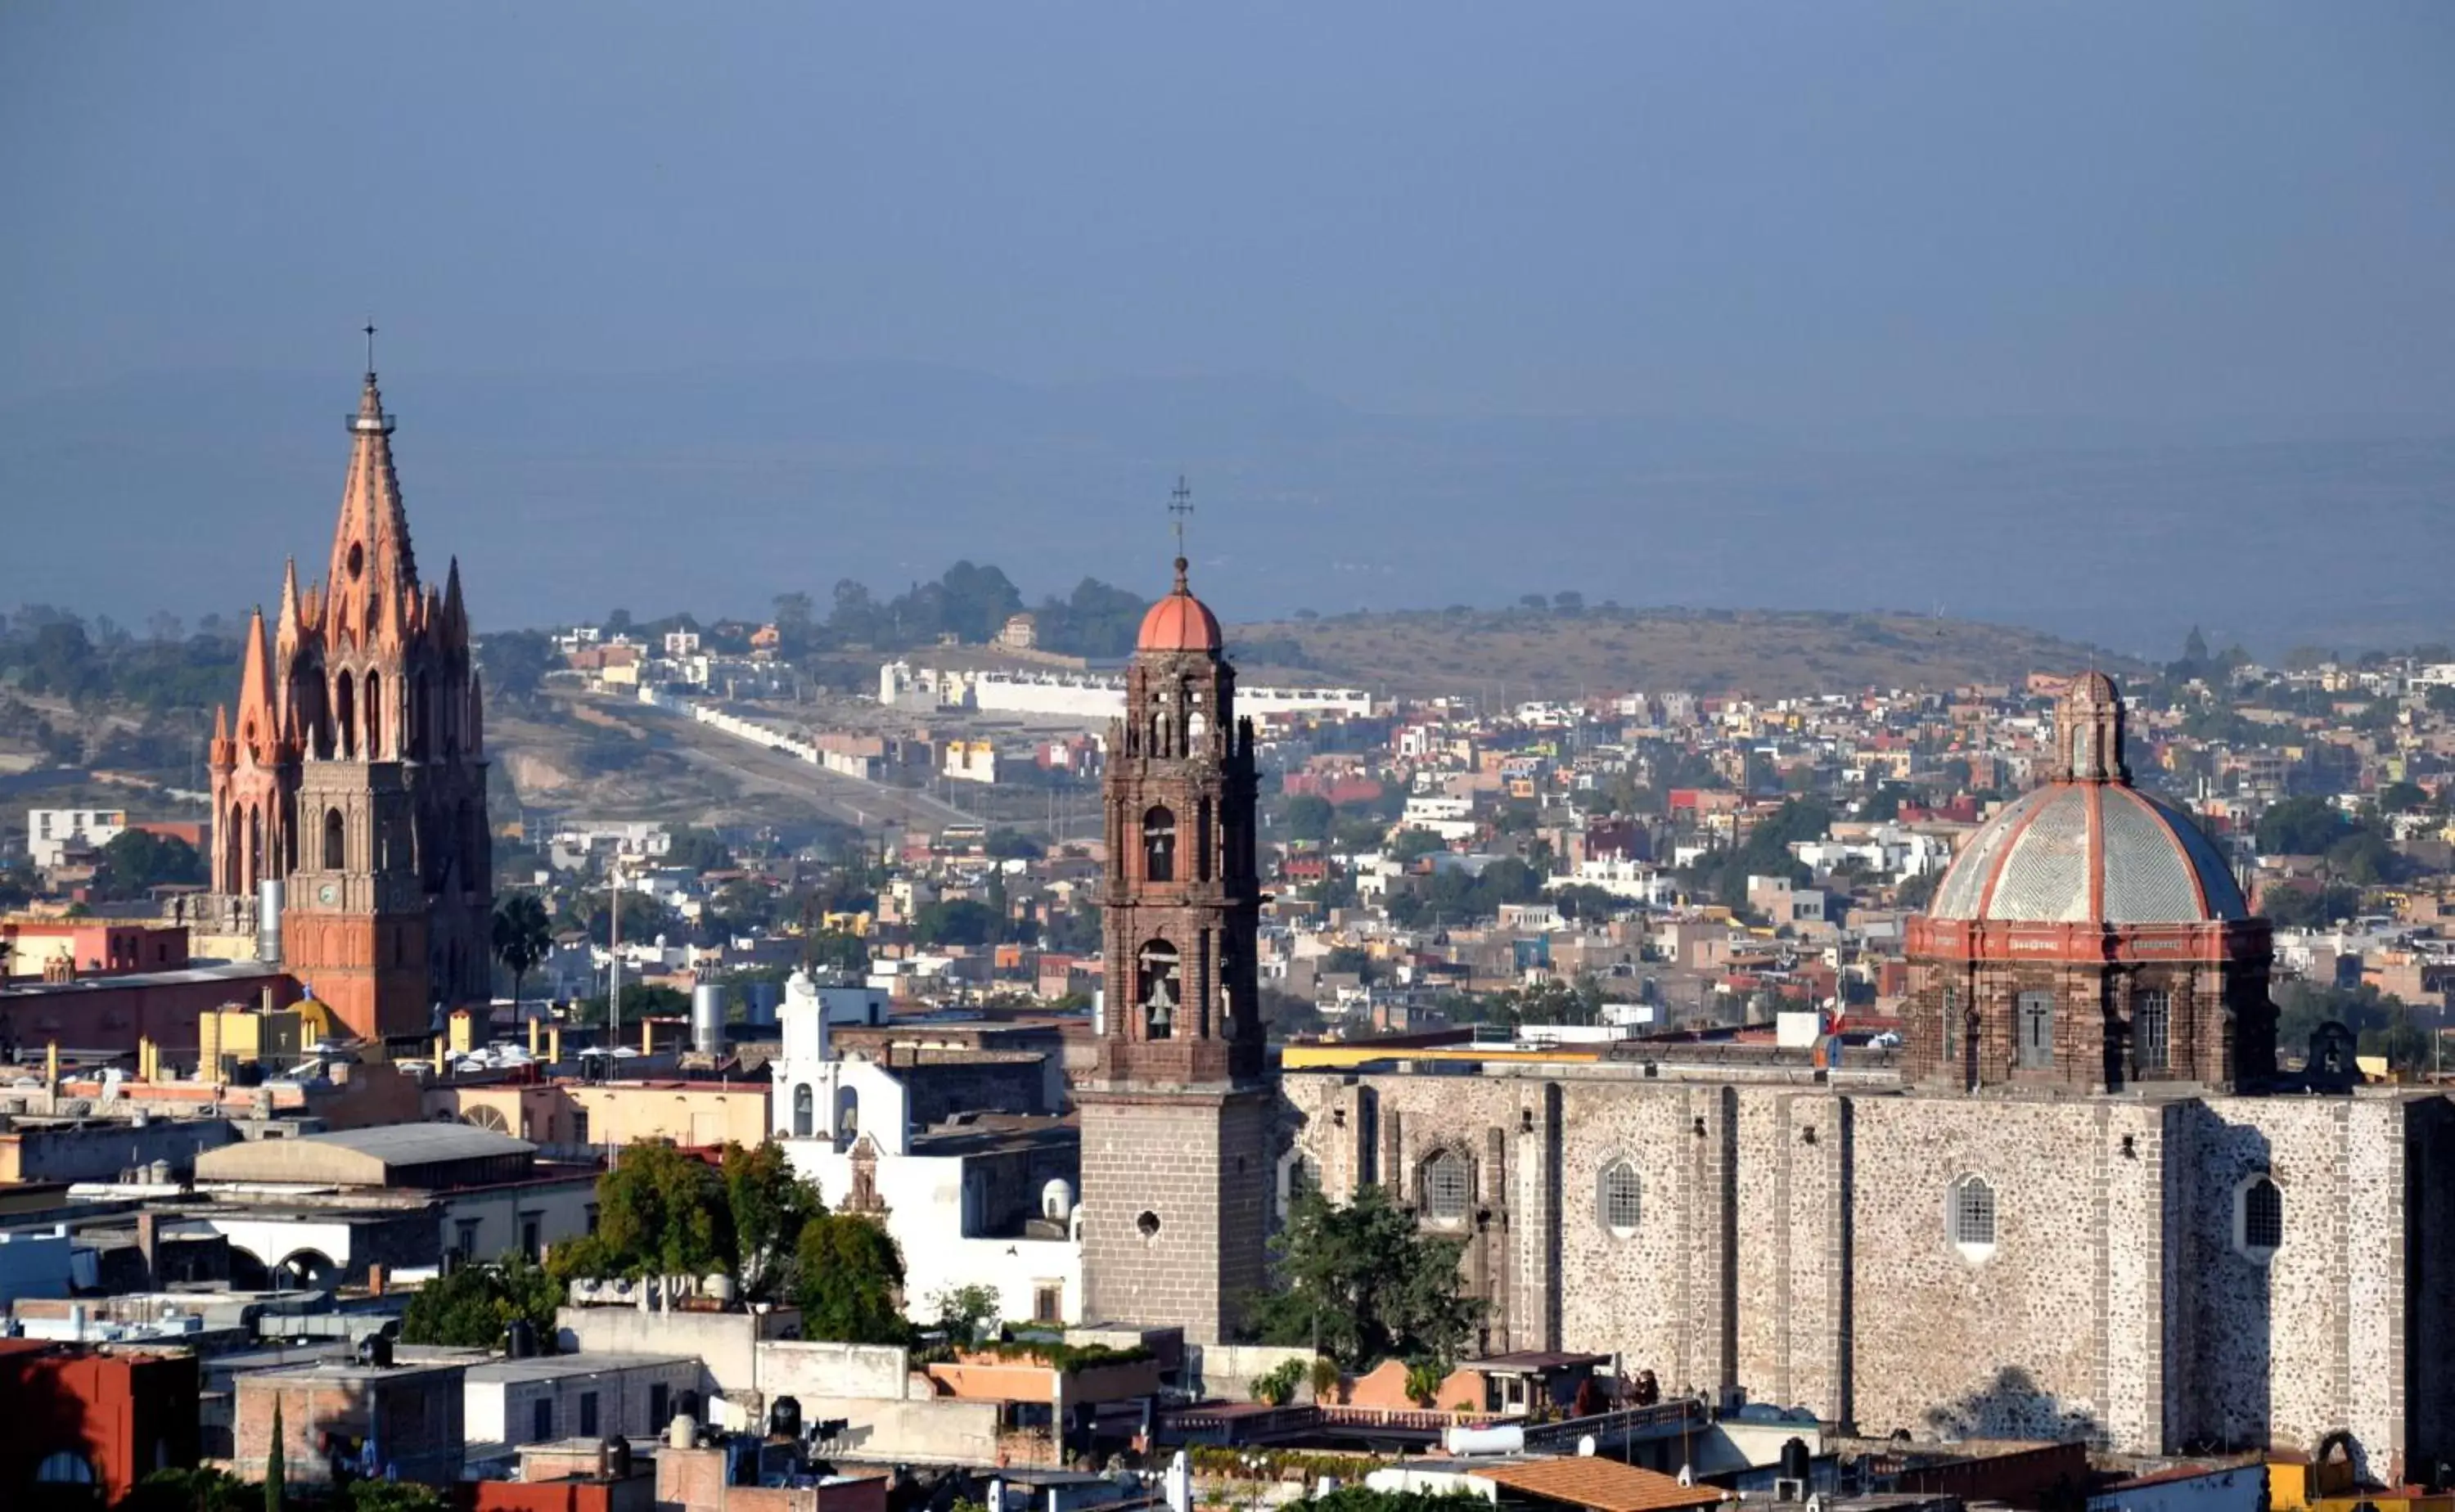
(707,1018)
(521,1339)
(268,921)
(764,996)
(376,1351)
(784,1418)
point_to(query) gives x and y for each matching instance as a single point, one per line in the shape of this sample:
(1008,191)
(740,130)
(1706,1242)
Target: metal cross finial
(1180,504)
(370,345)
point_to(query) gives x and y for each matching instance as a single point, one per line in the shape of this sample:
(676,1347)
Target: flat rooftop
(559,1367)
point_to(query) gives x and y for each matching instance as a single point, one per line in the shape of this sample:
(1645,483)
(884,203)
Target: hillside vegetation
(1524,654)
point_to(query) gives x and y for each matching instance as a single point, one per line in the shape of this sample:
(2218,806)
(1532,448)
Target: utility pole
(614,950)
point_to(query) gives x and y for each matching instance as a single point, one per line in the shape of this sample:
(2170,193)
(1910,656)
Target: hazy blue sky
(2075,316)
(1794,213)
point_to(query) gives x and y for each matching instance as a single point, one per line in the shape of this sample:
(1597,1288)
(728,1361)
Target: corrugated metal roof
(421,1144)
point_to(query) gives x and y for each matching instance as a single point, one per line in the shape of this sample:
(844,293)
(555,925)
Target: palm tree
(523,935)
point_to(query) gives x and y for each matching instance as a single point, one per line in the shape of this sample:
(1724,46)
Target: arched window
(2258,1217)
(345,716)
(289,827)
(848,1117)
(334,860)
(64,1468)
(234,852)
(2037,1049)
(1969,1219)
(1158,844)
(1447,1188)
(420,711)
(375,717)
(1201,868)
(256,863)
(802,1110)
(1616,1197)
(1297,1177)
(2151,1028)
(1159,989)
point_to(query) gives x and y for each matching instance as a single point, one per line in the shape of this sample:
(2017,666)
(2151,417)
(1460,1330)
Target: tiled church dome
(2076,852)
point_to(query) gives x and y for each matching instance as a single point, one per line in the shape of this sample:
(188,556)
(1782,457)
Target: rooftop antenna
(1181,505)
(371,347)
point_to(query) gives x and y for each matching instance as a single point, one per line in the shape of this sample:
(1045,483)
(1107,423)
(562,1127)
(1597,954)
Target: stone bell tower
(1175,1123)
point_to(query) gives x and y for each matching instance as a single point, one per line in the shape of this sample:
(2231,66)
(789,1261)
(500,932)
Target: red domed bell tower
(1176,1124)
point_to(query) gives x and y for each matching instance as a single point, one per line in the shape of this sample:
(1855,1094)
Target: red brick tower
(354,771)
(1175,1125)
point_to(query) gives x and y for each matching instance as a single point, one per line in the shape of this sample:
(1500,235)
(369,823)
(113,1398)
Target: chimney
(438,1054)
(375,1280)
(533,1038)
(148,1236)
(647,1037)
(554,1045)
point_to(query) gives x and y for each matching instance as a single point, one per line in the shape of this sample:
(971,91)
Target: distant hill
(1522,653)
(565,496)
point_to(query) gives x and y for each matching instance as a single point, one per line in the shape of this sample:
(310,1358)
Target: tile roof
(1589,1480)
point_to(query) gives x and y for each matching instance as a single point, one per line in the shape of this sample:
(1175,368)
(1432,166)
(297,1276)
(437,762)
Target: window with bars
(1951,1015)
(2151,1027)
(2263,1217)
(1972,1216)
(1446,1188)
(1617,1197)
(2036,1050)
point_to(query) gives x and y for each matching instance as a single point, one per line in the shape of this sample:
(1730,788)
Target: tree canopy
(661,1212)
(851,1281)
(134,860)
(471,1307)
(2303,826)
(1367,1282)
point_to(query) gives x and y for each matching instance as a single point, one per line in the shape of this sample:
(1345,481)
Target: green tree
(2309,908)
(1310,816)
(851,1281)
(134,862)
(393,1496)
(955,922)
(962,1310)
(1410,843)
(2303,826)
(471,1307)
(795,618)
(828,949)
(2402,797)
(1364,1499)
(515,663)
(769,1204)
(523,933)
(663,1212)
(200,1490)
(1367,1282)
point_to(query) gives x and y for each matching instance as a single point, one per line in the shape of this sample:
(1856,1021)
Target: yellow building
(565,1116)
(2297,1484)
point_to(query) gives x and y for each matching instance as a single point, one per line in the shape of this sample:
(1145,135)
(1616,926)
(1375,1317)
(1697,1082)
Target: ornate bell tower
(355,772)
(1176,1124)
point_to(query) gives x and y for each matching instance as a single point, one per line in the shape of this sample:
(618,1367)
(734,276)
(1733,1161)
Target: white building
(970,1203)
(49,832)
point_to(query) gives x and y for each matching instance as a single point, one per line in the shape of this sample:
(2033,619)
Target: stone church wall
(1795,1240)
(2308,1340)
